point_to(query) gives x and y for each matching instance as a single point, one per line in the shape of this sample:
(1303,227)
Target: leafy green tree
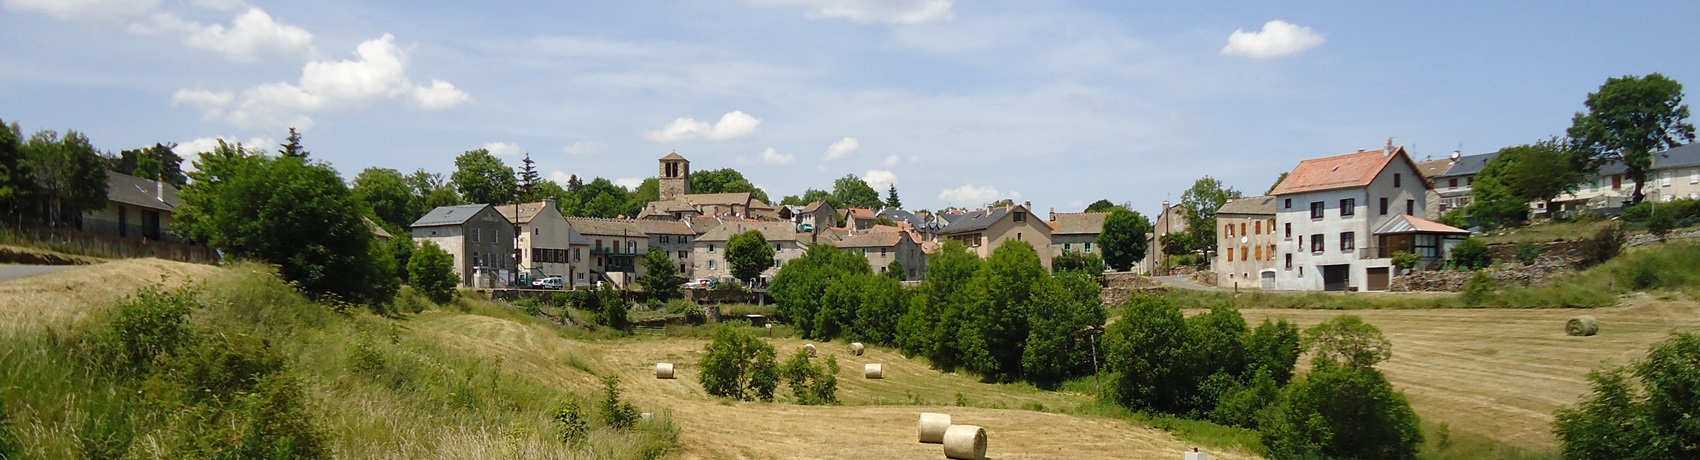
(1494,204)
(995,320)
(158,162)
(737,365)
(726,180)
(1057,346)
(748,254)
(1341,412)
(1628,119)
(292,146)
(291,213)
(1123,239)
(1616,421)
(387,193)
(1278,181)
(811,384)
(660,277)
(647,191)
(894,270)
(68,174)
(1472,254)
(932,326)
(852,191)
(810,196)
(1147,350)
(1102,206)
(1199,205)
(1348,341)
(800,290)
(1273,347)
(1076,261)
(14,180)
(882,303)
(599,198)
(1217,353)
(401,251)
(1542,170)
(482,178)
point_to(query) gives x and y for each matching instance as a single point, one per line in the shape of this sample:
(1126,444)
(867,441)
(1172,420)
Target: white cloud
(630,183)
(502,148)
(880,180)
(773,157)
(1278,38)
(192,149)
(560,177)
(584,148)
(893,160)
(379,73)
(876,11)
(251,37)
(733,125)
(970,195)
(86,10)
(844,147)
(222,5)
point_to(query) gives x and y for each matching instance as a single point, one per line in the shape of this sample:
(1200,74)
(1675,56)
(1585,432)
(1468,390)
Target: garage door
(1378,279)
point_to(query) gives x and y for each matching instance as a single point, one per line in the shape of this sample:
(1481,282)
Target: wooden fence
(77,242)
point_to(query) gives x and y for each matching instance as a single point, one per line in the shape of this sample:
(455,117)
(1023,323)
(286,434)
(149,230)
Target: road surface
(12,272)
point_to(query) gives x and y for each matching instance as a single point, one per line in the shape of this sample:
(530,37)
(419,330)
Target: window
(537,230)
(1287,203)
(1410,207)
(1348,207)
(1396,179)
(1694,177)
(1452,183)
(684,254)
(598,244)
(776,247)
(1384,206)
(1271,252)
(711,248)
(1088,247)
(477,232)
(710,264)
(882,251)
(1289,261)
(1230,254)
(1243,254)
(1242,229)
(1258,227)
(1301,271)
(1316,243)
(664,239)
(1066,247)
(1020,217)
(1229,230)
(1348,241)
(1289,227)
(1259,253)
(1316,209)
(1470,180)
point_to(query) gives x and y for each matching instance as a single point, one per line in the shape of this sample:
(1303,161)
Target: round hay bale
(855,348)
(932,427)
(965,442)
(873,371)
(1582,326)
(664,371)
(810,348)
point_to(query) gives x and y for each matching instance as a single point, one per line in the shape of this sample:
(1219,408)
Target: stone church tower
(675,178)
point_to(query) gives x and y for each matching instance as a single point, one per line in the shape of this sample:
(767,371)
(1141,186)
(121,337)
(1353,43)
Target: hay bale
(873,371)
(965,442)
(1582,326)
(932,427)
(647,415)
(810,348)
(664,371)
(855,348)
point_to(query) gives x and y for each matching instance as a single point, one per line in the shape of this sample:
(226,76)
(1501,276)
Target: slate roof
(1434,168)
(139,192)
(608,227)
(377,230)
(1257,205)
(899,215)
(448,215)
(574,238)
(703,224)
(975,220)
(1468,165)
(1414,224)
(1341,171)
(1078,223)
(665,227)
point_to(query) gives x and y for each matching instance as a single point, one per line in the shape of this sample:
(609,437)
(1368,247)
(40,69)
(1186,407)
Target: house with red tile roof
(1341,218)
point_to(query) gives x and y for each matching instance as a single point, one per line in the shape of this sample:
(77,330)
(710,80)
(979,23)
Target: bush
(738,365)
(9,444)
(1348,341)
(1661,224)
(1146,350)
(692,312)
(1528,253)
(1614,420)
(1603,246)
(1472,254)
(1639,212)
(1479,288)
(1241,405)
(571,421)
(1341,412)
(1073,261)
(433,274)
(151,325)
(811,384)
(531,307)
(1273,347)
(1643,274)
(1405,260)
(616,414)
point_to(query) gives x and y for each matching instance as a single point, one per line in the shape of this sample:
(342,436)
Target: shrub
(1341,412)
(1528,253)
(692,312)
(1661,224)
(432,271)
(1644,274)
(811,384)
(738,365)
(1639,212)
(9,445)
(1404,260)
(1472,254)
(1241,405)
(1603,246)
(1614,420)
(1479,288)
(616,414)
(1273,347)
(571,421)
(530,306)
(151,325)
(1146,350)
(1073,261)
(1348,341)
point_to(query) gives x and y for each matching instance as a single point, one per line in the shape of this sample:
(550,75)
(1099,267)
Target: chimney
(1027,204)
(159,190)
(1053,214)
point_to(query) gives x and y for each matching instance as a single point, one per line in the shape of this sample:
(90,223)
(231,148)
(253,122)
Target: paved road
(1181,282)
(12,272)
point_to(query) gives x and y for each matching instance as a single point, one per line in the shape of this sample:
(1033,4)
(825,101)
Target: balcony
(614,252)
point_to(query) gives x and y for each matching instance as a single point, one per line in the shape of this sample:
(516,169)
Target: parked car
(699,283)
(551,282)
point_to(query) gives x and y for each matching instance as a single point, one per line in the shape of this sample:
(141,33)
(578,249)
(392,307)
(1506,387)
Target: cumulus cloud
(733,125)
(773,157)
(86,10)
(584,148)
(502,148)
(253,36)
(893,160)
(1277,39)
(880,180)
(630,183)
(379,73)
(876,11)
(970,195)
(560,177)
(843,148)
(191,149)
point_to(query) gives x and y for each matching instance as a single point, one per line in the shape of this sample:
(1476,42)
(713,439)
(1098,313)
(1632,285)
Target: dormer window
(1020,217)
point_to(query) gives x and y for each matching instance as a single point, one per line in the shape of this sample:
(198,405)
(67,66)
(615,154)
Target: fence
(68,240)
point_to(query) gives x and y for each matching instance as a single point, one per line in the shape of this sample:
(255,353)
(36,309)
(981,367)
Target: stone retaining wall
(1512,274)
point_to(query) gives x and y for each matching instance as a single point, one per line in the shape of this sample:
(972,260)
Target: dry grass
(62,298)
(1500,373)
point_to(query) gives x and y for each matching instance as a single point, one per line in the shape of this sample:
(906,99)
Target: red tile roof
(1343,171)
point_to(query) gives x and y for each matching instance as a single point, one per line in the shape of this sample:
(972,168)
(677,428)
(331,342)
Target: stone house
(545,241)
(1341,218)
(983,230)
(708,253)
(673,237)
(1246,248)
(479,238)
(818,214)
(881,248)
(616,245)
(1169,221)
(859,218)
(1454,187)
(1076,232)
(135,208)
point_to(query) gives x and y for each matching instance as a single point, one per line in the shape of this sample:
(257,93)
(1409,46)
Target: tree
(891,200)
(1273,347)
(932,326)
(1348,341)
(388,195)
(1217,352)
(1628,119)
(811,384)
(1199,205)
(735,364)
(726,180)
(401,251)
(289,212)
(1541,171)
(800,289)
(660,275)
(430,191)
(1146,349)
(158,162)
(599,198)
(748,254)
(1472,254)
(1616,421)
(995,318)
(14,179)
(1057,347)
(528,180)
(1123,239)
(894,270)
(1103,206)
(292,146)
(68,175)
(852,191)
(1278,181)
(1494,204)
(1342,412)
(811,196)
(482,178)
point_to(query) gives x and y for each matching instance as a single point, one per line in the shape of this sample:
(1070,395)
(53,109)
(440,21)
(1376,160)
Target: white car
(552,282)
(699,283)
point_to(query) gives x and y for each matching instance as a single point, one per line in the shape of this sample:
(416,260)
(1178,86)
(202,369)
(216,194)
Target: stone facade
(675,177)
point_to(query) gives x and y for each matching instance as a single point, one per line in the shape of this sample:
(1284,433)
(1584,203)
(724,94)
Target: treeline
(52,178)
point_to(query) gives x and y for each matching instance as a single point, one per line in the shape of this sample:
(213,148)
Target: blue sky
(959,103)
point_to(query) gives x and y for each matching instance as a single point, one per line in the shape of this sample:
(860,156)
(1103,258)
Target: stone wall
(1119,286)
(1513,274)
(1568,251)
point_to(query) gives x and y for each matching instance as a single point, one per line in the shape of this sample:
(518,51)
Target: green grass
(1555,231)
(1441,442)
